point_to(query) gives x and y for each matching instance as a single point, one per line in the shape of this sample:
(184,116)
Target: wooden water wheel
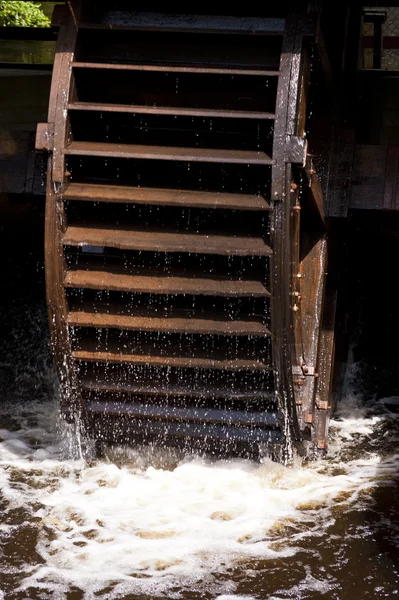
(185,246)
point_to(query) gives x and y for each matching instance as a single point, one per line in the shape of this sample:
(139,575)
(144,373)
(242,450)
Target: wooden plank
(288,90)
(164,197)
(55,215)
(96,383)
(177,69)
(188,432)
(113,317)
(156,283)
(181,362)
(213,155)
(161,241)
(203,415)
(314,188)
(62,82)
(44,137)
(171,110)
(325,369)
(191,23)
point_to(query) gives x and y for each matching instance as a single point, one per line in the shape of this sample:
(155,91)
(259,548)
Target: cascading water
(153,523)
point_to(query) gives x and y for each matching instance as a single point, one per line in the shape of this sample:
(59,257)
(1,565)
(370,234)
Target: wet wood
(158,283)
(165,389)
(314,189)
(172,110)
(175,350)
(126,349)
(177,69)
(202,415)
(217,155)
(164,197)
(55,217)
(314,262)
(154,21)
(114,317)
(282,232)
(325,370)
(58,118)
(161,241)
(147,430)
(183,362)
(44,137)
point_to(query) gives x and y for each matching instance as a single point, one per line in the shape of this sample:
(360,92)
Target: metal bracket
(323,405)
(305,370)
(296,150)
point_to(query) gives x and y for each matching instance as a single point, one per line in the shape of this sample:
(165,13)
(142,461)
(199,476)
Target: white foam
(140,527)
(230,597)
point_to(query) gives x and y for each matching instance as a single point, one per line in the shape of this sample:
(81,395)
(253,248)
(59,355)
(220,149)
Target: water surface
(152,523)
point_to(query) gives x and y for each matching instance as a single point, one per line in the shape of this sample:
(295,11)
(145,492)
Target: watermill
(185,249)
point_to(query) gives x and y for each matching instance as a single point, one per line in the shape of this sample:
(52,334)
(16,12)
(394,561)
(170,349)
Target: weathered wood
(314,189)
(206,434)
(90,382)
(177,69)
(200,415)
(130,238)
(113,317)
(56,219)
(281,231)
(162,241)
(189,362)
(154,21)
(172,110)
(246,157)
(313,268)
(325,371)
(59,94)
(158,283)
(44,137)
(164,197)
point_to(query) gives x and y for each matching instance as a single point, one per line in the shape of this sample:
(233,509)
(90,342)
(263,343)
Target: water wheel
(185,249)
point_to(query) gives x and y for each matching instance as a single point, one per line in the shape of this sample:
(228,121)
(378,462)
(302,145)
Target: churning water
(151,523)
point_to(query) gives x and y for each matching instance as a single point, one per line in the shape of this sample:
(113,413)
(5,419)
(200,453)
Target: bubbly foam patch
(153,522)
(131,525)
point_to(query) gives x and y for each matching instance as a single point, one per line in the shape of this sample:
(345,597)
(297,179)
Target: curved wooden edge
(282,240)
(55,216)
(55,293)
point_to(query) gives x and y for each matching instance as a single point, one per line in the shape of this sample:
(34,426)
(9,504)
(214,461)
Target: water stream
(152,523)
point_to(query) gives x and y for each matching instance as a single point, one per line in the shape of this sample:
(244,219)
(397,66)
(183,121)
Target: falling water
(152,523)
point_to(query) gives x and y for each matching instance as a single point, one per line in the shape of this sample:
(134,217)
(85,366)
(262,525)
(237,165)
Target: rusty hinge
(44,137)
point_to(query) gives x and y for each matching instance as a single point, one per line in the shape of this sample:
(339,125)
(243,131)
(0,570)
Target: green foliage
(16,13)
